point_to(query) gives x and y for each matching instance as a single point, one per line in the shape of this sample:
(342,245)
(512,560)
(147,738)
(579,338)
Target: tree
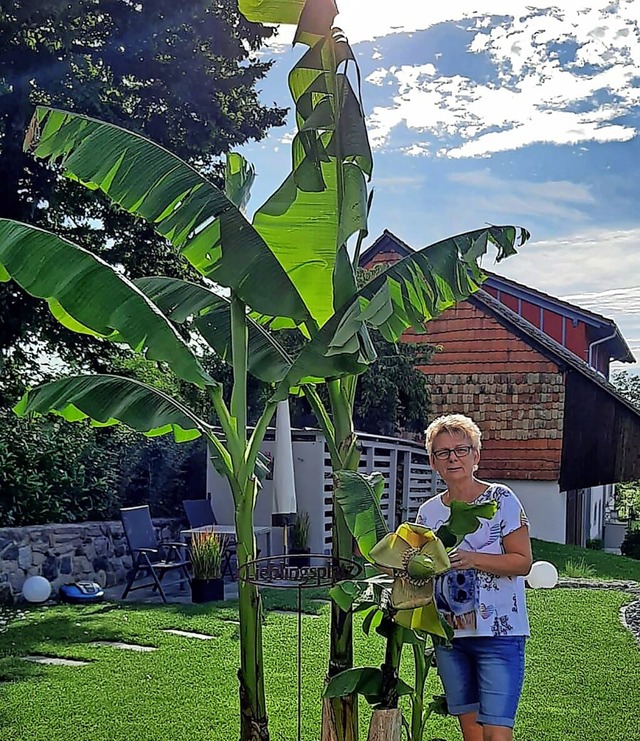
(627,495)
(393,396)
(183,74)
(311,287)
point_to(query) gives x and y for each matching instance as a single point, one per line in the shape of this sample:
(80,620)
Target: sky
(503,112)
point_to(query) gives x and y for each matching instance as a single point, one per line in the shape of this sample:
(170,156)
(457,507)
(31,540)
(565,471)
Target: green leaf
(424,284)
(407,294)
(345,593)
(272,11)
(109,400)
(238,179)
(358,496)
(314,18)
(87,295)
(181,204)
(439,705)
(210,313)
(463,520)
(324,200)
(305,230)
(365,680)
(372,620)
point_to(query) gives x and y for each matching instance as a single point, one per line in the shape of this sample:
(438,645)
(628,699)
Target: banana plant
(331,164)
(397,603)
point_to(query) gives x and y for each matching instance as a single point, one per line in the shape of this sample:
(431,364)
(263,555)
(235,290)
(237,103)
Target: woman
(482,597)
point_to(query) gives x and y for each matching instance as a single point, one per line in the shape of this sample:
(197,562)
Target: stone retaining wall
(94,551)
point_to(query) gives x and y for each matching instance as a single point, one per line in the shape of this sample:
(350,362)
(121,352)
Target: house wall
(308,458)
(514,393)
(599,496)
(546,508)
(571,333)
(605,436)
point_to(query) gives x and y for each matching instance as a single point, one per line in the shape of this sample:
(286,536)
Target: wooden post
(386,725)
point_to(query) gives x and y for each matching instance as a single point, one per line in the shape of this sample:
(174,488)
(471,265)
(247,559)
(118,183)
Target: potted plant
(299,539)
(207,584)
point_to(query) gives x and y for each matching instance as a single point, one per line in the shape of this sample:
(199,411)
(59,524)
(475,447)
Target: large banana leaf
(359,498)
(407,294)
(180,203)
(424,284)
(312,16)
(107,400)
(87,295)
(323,202)
(211,316)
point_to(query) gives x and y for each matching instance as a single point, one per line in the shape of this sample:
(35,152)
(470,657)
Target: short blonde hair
(454,424)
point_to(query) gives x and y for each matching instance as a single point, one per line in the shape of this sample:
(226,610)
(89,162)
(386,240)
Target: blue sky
(500,111)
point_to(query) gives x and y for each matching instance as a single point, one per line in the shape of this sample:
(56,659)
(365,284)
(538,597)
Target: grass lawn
(583,673)
(605,565)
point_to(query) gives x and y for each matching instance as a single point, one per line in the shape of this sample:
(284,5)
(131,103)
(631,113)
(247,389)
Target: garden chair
(200,514)
(149,555)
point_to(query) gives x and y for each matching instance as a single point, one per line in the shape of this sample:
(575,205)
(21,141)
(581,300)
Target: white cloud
(536,96)
(575,268)
(580,263)
(616,301)
(557,199)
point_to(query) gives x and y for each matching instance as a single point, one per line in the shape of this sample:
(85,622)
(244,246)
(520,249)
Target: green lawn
(606,565)
(583,673)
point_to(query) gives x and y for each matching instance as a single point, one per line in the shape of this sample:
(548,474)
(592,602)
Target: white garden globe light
(36,589)
(543,575)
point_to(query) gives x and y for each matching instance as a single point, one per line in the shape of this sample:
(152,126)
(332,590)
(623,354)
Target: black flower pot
(207,590)
(299,559)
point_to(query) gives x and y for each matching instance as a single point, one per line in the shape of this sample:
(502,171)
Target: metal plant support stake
(299,571)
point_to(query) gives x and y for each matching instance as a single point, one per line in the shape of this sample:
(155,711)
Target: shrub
(53,471)
(299,532)
(579,569)
(595,544)
(631,544)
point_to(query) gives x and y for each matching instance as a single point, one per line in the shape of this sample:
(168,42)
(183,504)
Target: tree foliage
(627,496)
(183,74)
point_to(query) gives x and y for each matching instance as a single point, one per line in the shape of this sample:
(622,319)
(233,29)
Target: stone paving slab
(124,646)
(54,661)
(188,634)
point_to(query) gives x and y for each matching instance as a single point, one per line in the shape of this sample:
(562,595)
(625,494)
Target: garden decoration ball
(543,575)
(36,589)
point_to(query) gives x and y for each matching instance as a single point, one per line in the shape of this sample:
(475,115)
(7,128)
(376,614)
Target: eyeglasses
(461,451)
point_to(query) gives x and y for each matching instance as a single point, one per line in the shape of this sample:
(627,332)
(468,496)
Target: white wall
(599,497)
(308,460)
(546,508)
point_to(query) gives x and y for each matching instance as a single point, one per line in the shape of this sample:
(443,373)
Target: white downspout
(599,342)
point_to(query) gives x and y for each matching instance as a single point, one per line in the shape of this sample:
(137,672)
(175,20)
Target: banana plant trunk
(253,709)
(340,714)
(253,706)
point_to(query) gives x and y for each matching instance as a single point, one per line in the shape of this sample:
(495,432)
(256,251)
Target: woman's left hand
(461,559)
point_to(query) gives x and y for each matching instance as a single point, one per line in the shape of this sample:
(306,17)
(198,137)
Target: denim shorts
(483,675)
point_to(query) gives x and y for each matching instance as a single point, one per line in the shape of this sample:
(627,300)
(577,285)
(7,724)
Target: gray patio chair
(150,557)
(200,514)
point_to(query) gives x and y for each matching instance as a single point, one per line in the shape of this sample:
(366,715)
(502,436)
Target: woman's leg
(496,733)
(471,729)
(500,667)
(457,671)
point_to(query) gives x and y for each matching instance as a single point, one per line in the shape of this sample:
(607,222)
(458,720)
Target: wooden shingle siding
(515,394)
(473,342)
